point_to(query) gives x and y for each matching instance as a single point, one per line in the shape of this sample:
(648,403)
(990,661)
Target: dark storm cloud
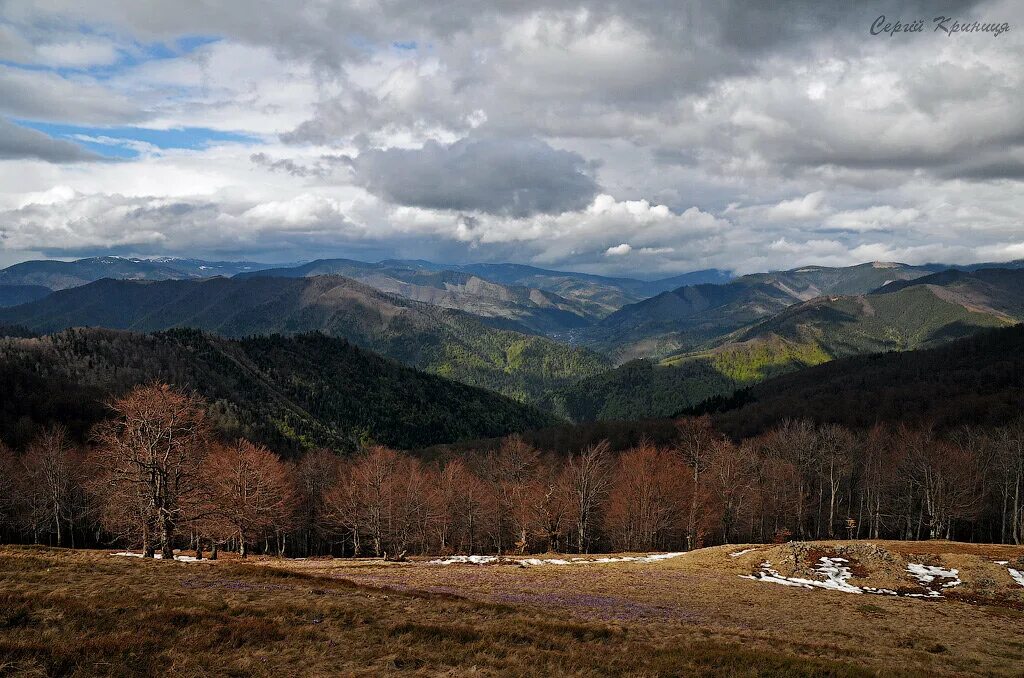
(20,142)
(513,177)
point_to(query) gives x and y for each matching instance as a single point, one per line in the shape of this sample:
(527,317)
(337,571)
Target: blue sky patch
(121,138)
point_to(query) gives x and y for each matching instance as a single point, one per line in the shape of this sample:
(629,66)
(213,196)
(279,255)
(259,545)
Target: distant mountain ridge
(699,316)
(584,295)
(526,309)
(59,275)
(450,343)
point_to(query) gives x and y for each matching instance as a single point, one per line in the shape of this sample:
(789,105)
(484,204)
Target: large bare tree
(150,454)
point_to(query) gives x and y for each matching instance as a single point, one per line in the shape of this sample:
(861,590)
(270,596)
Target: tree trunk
(56,519)
(241,545)
(166,538)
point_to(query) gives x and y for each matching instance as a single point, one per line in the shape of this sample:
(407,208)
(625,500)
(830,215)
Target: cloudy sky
(640,137)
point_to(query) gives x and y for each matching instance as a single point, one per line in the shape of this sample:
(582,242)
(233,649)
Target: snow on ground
(837,576)
(473,560)
(927,574)
(158,556)
(737,554)
(487,560)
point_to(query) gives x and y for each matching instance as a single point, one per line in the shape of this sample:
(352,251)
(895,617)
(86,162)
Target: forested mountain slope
(13,295)
(900,316)
(292,393)
(443,341)
(697,317)
(528,309)
(976,380)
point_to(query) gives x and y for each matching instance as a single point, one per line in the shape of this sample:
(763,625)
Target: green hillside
(698,317)
(931,312)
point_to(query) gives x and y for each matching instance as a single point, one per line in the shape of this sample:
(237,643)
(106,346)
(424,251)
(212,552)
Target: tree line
(155,475)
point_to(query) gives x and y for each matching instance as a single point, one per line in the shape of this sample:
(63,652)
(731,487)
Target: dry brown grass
(87,613)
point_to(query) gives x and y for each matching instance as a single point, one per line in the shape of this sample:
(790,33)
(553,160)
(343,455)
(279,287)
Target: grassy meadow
(91,613)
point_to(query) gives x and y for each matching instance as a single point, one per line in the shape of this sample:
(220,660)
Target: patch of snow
(474,560)
(158,556)
(837,576)
(770,575)
(653,557)
(486,560)
(927,574)
(1001,562)
(1017,575)
(737,554)
(879,592)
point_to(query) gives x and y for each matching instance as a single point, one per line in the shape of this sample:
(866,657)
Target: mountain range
(581,346)
(975,381)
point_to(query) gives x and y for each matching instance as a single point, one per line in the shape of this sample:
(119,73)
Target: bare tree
(460,508)
(250,489)
(50,482)
(697,440)
(316,472)
(510,471)
(795,442)
(649,499)
(587,477)
(730,472)
(150,454)
(945,475)
(1009,443)
(550,505)
(380,495)
(835,450)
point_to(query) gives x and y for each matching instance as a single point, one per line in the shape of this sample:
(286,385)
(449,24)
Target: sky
(629,138)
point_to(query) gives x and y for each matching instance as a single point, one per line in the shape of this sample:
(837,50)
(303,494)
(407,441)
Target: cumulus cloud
(514,177)
(732,134)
